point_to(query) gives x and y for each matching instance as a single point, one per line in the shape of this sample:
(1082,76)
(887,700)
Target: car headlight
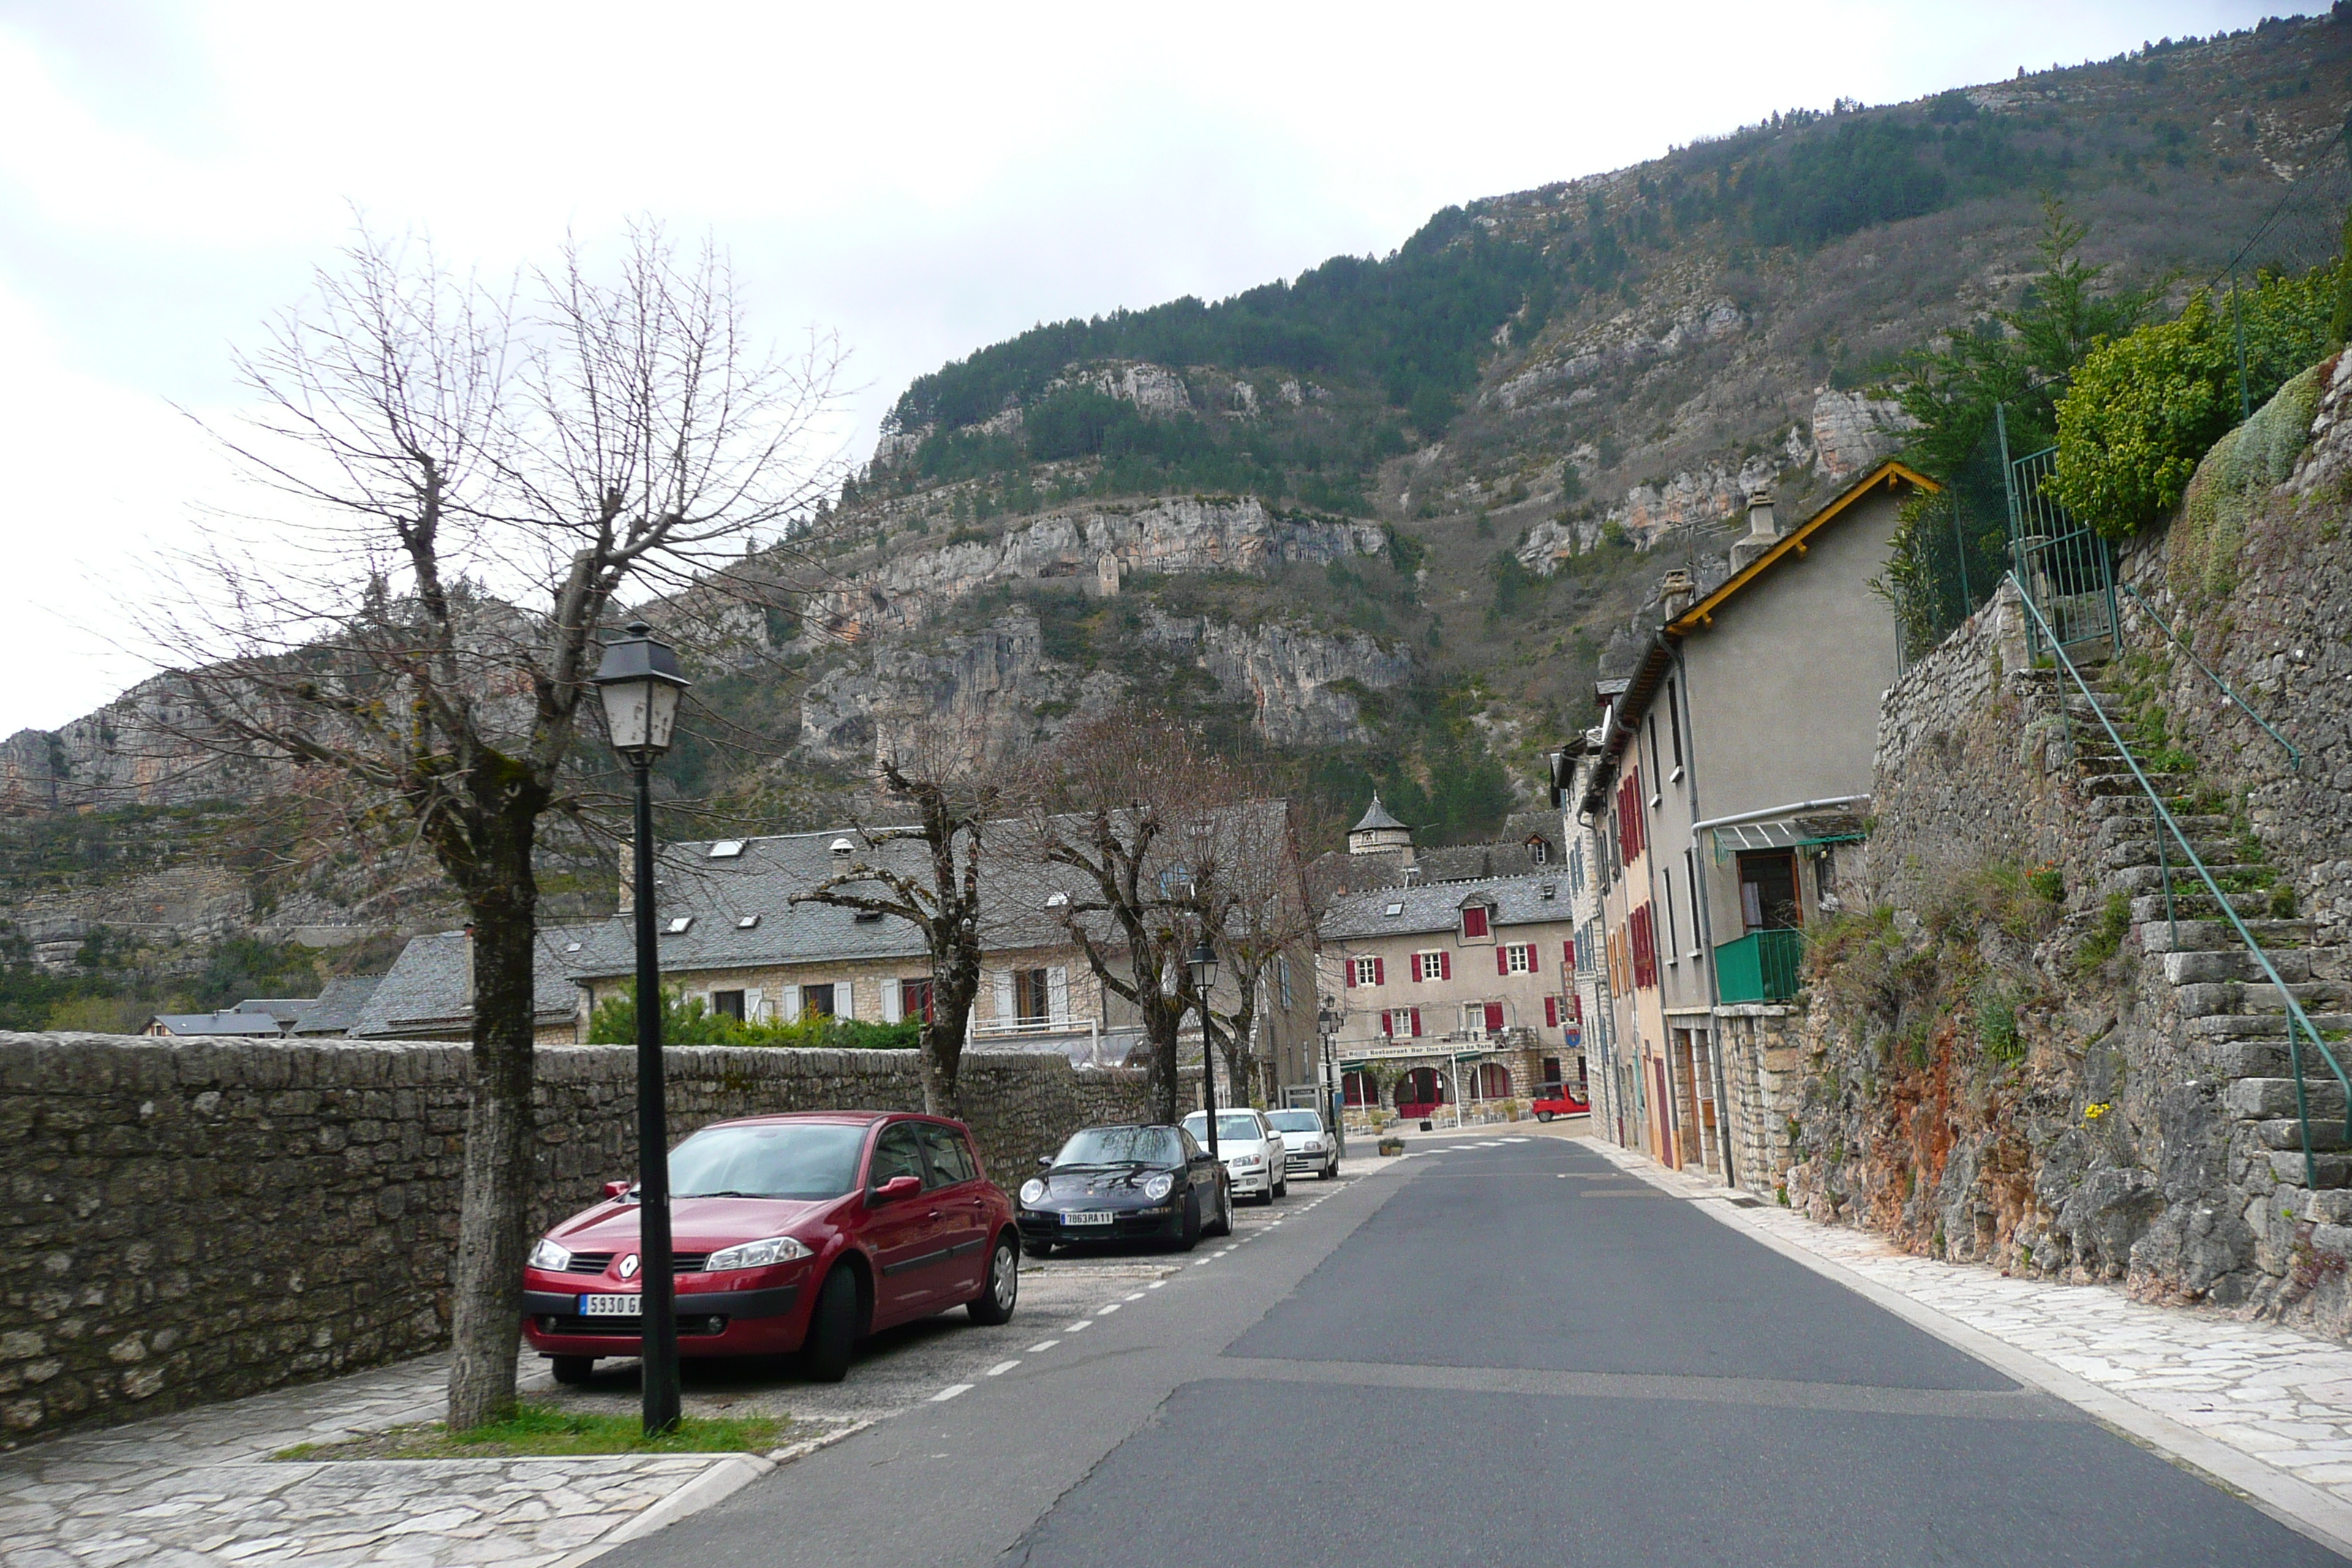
(1031,1191)
(550,1257)
(1159,1186)
(1247,1162)
(756,1254)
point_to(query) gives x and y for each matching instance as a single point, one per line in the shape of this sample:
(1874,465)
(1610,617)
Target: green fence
(1760,967)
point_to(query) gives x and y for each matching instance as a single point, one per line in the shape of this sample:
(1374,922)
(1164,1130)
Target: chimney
(1761,528)
(1676,592)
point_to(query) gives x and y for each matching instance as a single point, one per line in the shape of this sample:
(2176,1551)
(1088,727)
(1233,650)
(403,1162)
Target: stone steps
(2269,1099)
(2218,936)
(2126,782)
(2273,1057)
(2197,906)
(2124,827)
(2261,1027)
(2234,962)
(2334,1171)
(2234,998)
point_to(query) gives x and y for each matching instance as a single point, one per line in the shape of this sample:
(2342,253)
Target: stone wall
(186,1220)
(1762,1065)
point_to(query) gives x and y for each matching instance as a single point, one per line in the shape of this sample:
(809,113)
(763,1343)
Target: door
(1664,1118)
(903,1233)
(1768,891)
(956,1194)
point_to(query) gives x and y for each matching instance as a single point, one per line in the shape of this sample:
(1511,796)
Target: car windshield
(1122,1146)
(1231,1127)
(1295,1120)
(775,1160)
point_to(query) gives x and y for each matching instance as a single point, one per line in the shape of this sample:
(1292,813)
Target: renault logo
(629,1266)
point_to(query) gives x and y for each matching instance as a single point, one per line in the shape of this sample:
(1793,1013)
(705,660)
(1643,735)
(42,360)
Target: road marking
(1074,1328)
(1105,1312)
(1138,1295)
(1155,1284)
(950,1392)
(1042,1346)
(1001,1368)
(1514,1140)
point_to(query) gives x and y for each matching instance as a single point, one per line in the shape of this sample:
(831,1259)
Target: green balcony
(1760,967)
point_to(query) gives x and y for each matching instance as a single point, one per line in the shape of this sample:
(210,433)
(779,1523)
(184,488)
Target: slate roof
(228,1021)
(1436,906)
(337,1006)
(758,884)
(281,1008)
(426,992)
(1376,816)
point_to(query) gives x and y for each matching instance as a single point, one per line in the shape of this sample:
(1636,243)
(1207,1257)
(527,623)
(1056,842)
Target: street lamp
(1335,1102)
(640,684)
(1203,966)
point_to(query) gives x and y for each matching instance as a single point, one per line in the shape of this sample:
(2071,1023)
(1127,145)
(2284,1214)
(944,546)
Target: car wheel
(1038,1248)
(1331,1171)
(572,1369)
(1282,1187)
(1190,1237)
(1543,1115)
(832,1331)
(1002,1288)
(1221,1222)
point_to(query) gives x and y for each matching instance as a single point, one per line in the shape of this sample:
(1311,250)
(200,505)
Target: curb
(2301,1507)
(722,1480)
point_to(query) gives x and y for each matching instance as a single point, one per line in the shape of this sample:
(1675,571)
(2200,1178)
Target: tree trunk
(953,987)
(1162,1023)
(501,1170)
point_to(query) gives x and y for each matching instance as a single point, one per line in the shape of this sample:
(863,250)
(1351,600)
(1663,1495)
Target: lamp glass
(641,714)
(1203,964)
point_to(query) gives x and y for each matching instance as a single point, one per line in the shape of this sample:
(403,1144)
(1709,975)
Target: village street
(1512,1345)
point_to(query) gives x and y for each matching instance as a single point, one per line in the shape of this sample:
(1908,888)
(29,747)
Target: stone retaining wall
(185,1220)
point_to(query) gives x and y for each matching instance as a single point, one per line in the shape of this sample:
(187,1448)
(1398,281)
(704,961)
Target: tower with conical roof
(1379,832)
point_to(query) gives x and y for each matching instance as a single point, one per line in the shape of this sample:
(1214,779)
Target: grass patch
(2106,939)
(539,1431)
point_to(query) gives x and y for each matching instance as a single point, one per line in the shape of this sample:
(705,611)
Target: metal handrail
(2294,756)
(2295,1014)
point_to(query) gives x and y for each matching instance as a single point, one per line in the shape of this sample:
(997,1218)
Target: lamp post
(1203,966)
(1334,1098)
(640,685)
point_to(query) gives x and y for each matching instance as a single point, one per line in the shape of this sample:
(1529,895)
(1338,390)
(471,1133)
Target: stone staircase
(2235,1019)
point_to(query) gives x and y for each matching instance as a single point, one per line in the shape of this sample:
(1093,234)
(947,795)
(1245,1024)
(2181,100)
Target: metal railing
(2296,1018)
(2294,755)
(1759,967)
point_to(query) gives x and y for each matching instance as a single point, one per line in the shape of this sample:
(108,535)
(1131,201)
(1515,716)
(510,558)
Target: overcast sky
(922,180)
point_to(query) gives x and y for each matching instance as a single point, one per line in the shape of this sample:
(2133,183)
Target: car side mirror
(897,1187)
(1045,1161)
(616,1189)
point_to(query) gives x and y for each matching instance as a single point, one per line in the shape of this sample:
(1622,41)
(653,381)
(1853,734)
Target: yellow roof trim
(1702,613)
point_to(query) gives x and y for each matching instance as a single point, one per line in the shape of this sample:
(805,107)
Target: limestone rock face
(1854,432)
(1172,536)
(1292,677)
(128,752)
(1152,388)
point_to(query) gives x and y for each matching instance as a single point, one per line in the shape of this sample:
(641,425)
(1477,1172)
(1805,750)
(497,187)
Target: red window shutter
(1414,968)
(1416,1021)
(1379,972)
(1494,1015)
(1444,965)
(1347,973)
(1474,920)
(1551,1012)
(1502,960)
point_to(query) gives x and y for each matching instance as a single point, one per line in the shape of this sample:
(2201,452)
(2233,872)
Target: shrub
(2142,410)
(686,1021)
(2106,938)
(2202,553)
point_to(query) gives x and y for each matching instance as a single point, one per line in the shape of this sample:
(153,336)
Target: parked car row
(801,1234)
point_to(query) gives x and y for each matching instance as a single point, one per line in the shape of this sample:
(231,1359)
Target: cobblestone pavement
(2266,1408)
(199,1487)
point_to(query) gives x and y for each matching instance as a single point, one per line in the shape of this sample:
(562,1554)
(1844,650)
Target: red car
(1559,1100)
(803,1232)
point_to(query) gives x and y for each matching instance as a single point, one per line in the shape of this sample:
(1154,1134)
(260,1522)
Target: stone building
(1720,801)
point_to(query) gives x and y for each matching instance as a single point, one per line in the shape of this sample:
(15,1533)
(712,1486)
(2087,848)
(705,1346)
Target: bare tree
(466,485)
(956,794)
(1252,897)
(1132,808)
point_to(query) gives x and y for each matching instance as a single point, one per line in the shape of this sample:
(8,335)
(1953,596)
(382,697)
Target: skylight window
(572,947)
(867,917)
(745,922)
(844,846)
(727,849)
(680,925)
(1395,910)
(1057,900)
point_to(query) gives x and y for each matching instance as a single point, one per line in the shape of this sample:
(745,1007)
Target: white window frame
(1519,958)
(1366,971)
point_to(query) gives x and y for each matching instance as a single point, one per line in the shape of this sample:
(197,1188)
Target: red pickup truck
(1559,1100)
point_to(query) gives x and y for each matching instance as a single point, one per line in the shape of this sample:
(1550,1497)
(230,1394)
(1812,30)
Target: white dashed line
(1042,1346)
(950,1392)
(1138,1295)
(1107,1311)
(1155,1284)
(1001,1368)
(1074,1328)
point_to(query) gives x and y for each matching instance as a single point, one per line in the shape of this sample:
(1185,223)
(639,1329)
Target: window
(1690,886)
(1400,1023)
(816,1001)
(915,1000)
(1515,958)
(680,925)
(1032,1001)
(727,1004)
(1655,771)
(1630,822)
(1366,972)
(1674,941)
(898,1152)
(1645,947)
(1474,920)
(726,850)
(951,1162)
(1674,727)
(1540,851)
(1438,966)
(1487,1015)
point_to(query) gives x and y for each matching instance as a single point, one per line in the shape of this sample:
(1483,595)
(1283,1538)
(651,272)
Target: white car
(1307,1143)
(1254,1159)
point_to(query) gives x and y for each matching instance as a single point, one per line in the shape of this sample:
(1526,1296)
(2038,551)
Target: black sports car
(1125,1183)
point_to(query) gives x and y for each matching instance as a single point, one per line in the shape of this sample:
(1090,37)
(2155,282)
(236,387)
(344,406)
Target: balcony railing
(1760,967)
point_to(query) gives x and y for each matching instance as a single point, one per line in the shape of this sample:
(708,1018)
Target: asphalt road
(1506,1353)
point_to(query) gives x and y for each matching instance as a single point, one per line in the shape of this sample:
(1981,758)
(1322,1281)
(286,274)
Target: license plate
(611,1306)
(1090,1216)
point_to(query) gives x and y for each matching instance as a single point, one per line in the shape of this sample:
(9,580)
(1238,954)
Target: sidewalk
(198,1488)
(2264,1409)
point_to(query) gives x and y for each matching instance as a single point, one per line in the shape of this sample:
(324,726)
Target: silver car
(1308,1144)
(1254,1158)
